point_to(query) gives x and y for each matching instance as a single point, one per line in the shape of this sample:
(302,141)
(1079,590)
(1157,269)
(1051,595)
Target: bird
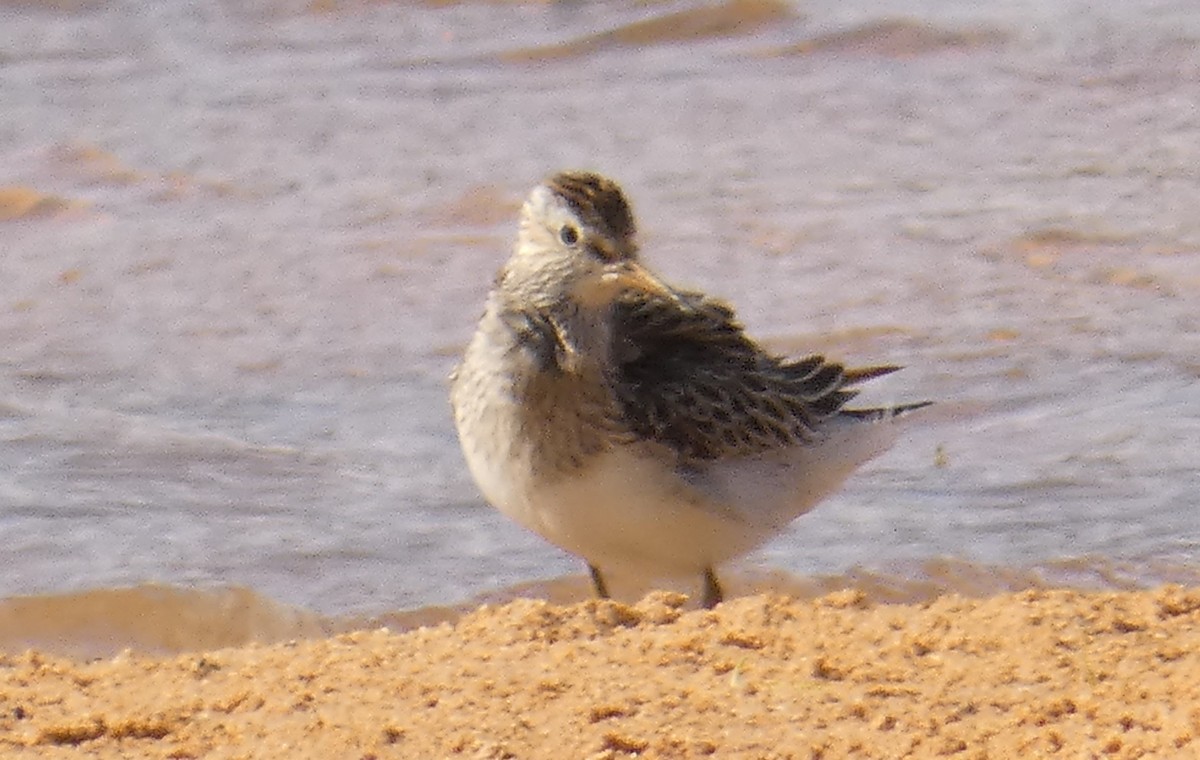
(635,424)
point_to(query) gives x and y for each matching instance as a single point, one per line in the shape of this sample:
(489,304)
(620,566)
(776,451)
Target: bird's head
(577,245)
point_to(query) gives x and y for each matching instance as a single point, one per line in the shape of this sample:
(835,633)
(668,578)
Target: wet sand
(1025,674)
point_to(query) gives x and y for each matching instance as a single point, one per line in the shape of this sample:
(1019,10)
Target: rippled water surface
(243,243)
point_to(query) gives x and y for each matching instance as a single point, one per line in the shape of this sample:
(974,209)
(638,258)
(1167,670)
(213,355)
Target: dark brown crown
(596,200)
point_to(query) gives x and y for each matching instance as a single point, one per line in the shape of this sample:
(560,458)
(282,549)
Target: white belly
(628,509)
(621,512)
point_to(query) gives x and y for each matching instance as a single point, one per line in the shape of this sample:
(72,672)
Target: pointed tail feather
(856,375)
(884,413)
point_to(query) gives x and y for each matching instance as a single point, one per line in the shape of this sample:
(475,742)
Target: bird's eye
(568,234)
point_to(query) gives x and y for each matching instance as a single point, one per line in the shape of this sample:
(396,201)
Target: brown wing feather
(690,378)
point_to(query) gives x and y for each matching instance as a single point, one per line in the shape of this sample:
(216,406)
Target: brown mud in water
(478,206)
(896,38)
(163,620)
(93,164)
(26,203)
(1095,258)
(150,619)
(1016,675)
(728,19)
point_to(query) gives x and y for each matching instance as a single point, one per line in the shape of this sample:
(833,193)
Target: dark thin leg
(598,582)
(712,590)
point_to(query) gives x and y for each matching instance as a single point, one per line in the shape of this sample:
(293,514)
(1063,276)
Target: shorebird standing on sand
(634,424)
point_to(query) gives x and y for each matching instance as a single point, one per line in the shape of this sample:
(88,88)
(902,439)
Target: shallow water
(244,242)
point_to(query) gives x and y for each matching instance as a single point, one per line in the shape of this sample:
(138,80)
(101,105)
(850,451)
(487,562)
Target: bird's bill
(629,275)
(601,288)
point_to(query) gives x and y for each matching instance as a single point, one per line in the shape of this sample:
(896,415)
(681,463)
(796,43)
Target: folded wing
(689,377)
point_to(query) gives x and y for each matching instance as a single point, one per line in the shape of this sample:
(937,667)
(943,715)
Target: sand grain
(1026,674)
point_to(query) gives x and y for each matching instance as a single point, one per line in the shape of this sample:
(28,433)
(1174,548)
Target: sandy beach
(1081,674)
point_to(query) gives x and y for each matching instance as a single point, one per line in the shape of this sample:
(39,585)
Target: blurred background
(243,243)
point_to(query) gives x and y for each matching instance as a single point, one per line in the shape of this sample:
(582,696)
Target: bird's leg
(712,590)
(598,582)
